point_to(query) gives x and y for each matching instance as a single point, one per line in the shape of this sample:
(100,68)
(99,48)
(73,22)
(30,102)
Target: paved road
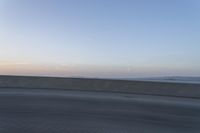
(59,111)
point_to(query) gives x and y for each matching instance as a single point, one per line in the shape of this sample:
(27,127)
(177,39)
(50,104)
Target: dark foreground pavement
(61,111)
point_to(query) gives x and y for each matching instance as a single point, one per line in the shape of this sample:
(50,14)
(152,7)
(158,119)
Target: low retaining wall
(138,87)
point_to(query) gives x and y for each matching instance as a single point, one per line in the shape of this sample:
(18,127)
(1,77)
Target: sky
(100,38)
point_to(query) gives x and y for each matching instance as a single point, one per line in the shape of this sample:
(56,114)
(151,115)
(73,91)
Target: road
(61,111)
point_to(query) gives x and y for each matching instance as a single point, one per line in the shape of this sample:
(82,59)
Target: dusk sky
(100,38)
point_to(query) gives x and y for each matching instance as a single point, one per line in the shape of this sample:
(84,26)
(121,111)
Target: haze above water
(100,38)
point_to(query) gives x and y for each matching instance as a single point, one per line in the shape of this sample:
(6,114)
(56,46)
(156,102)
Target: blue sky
(100,38)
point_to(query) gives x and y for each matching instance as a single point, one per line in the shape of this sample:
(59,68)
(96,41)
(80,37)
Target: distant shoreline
(164,79)
(103,85)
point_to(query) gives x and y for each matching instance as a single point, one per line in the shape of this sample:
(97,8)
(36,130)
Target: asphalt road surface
(61,111)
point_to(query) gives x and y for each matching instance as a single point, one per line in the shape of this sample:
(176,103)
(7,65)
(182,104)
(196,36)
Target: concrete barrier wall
(138,87)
